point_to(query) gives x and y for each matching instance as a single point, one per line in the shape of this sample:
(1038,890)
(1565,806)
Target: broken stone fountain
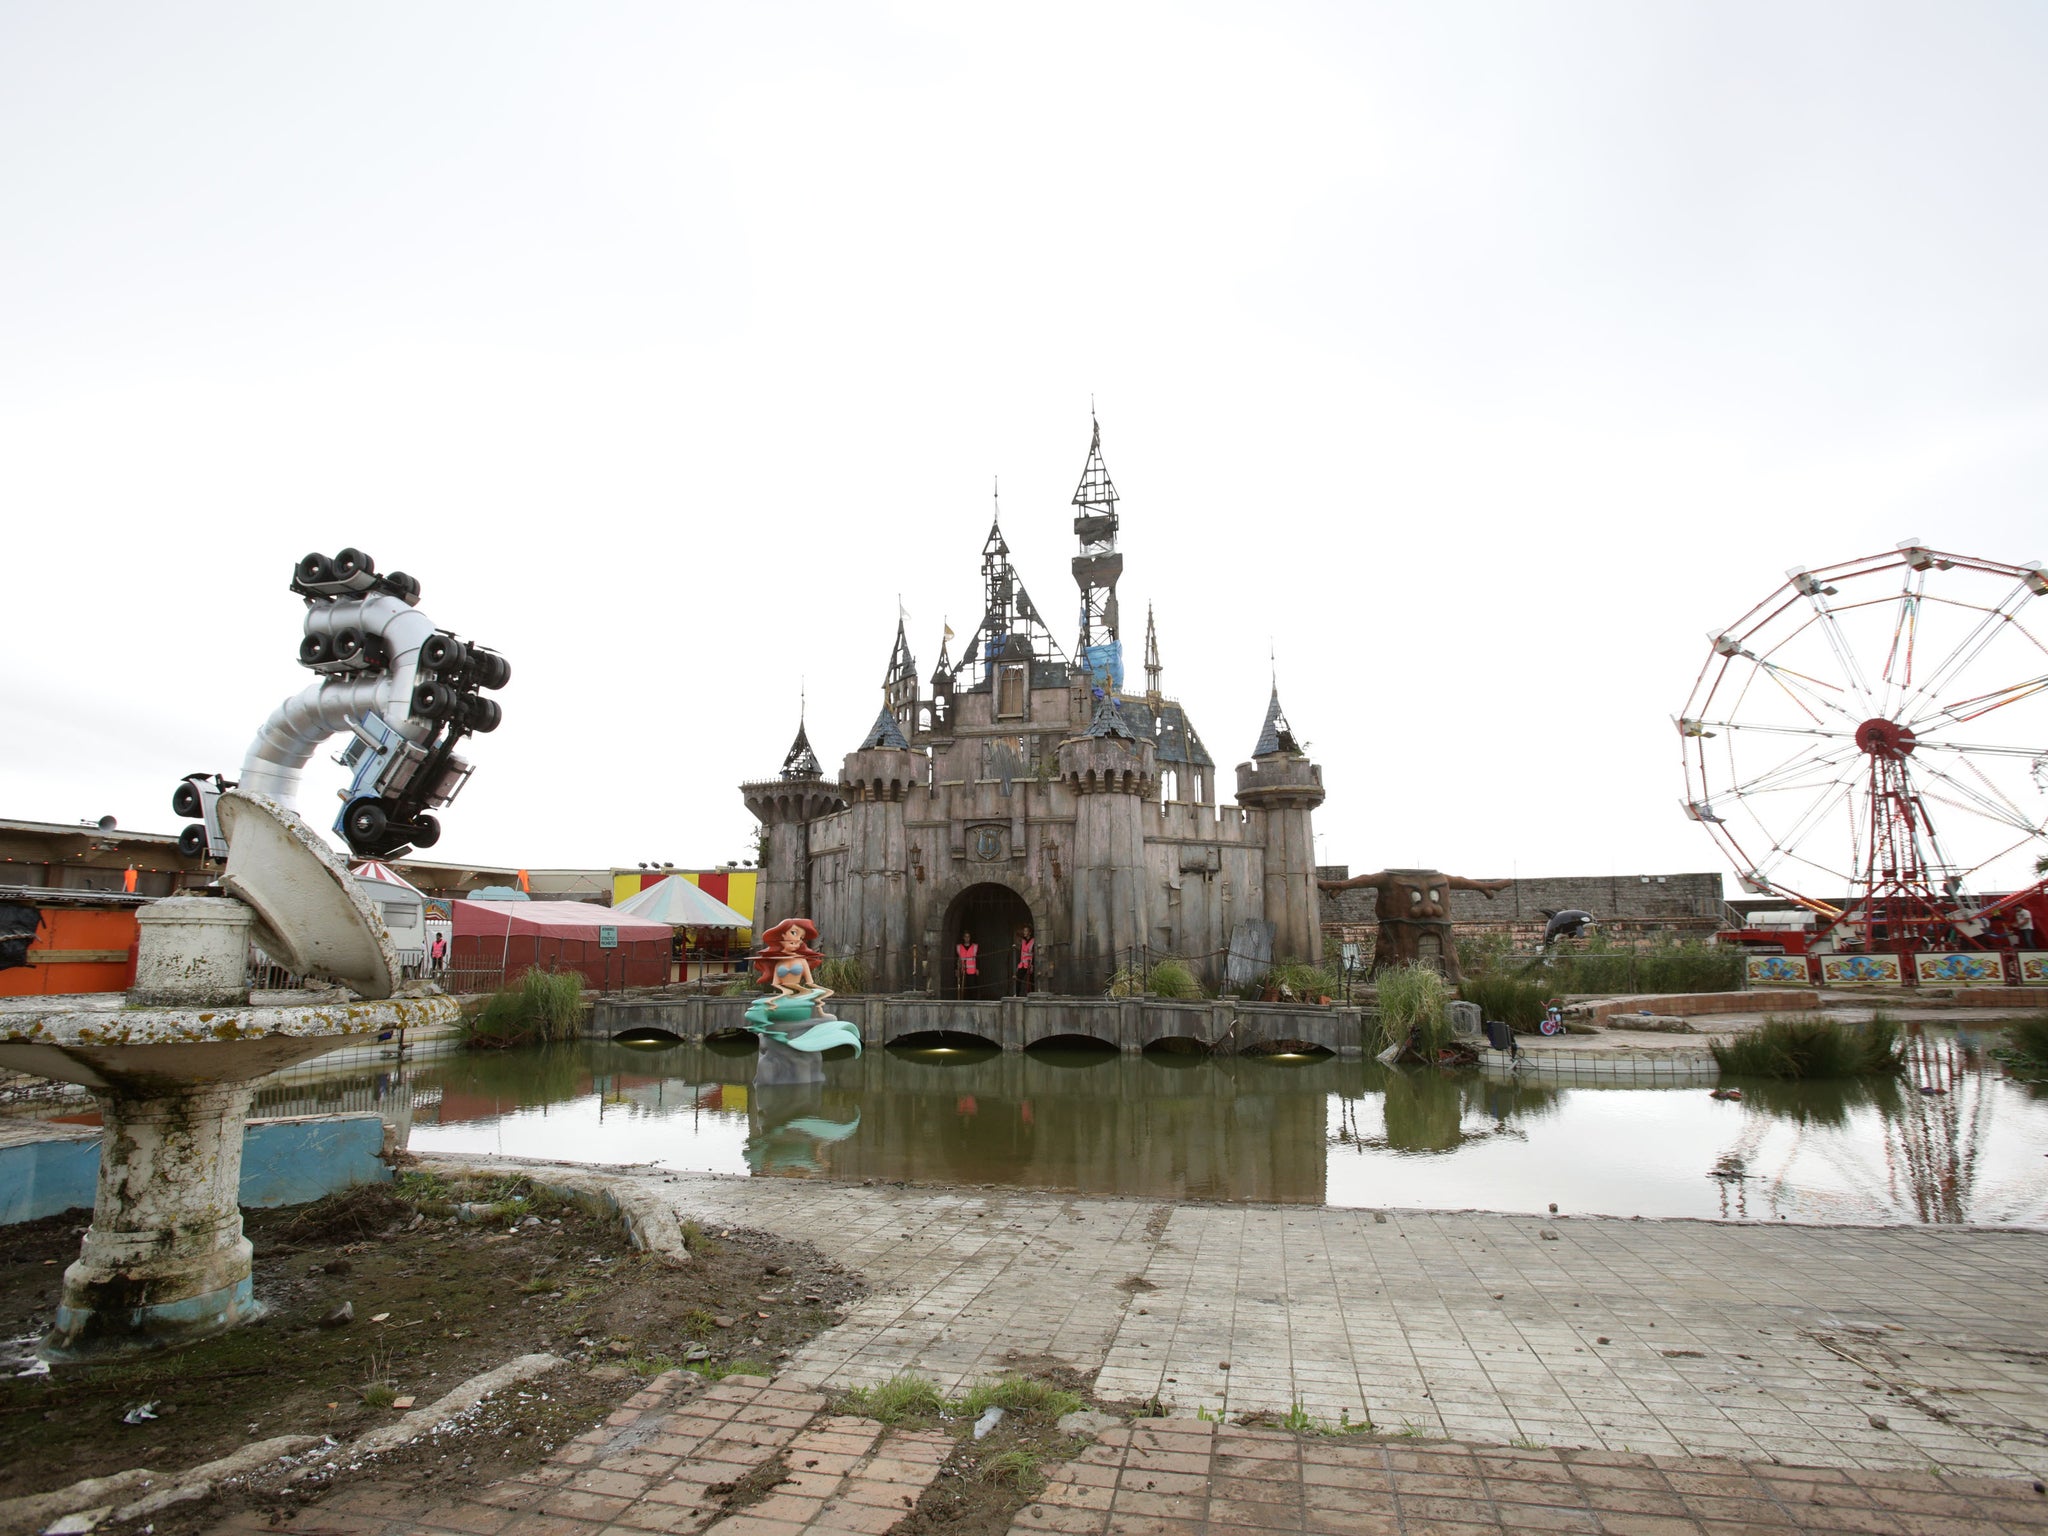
(174,1061)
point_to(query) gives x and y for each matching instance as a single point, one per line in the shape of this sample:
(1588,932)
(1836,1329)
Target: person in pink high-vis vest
(968,955)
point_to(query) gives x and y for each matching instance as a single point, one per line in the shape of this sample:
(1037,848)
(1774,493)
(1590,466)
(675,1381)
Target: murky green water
(1293,1131)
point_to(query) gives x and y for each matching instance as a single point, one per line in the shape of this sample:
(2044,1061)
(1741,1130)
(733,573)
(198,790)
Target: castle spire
(1276,736)
(1097,566)
(802,762)
(1152,668)
(899,686)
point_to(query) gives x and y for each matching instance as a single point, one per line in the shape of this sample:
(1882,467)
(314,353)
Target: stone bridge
(1014,1023)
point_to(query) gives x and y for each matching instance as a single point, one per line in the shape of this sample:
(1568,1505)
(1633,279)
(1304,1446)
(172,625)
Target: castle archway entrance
(995,915)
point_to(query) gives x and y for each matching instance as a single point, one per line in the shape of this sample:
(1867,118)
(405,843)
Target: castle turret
(873,919)
(786,805)
(1283,788)
(1110,768)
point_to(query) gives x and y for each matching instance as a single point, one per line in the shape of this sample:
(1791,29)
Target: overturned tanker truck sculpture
(405,690)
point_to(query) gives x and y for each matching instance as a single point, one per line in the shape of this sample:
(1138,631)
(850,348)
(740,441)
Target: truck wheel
(353,562)
(426,832)
(433,701)
(366,826)
(192,841)
(314,650)
(185,801)
(481,714)
(490,669)
(348,644)
(316,570)
(443,653)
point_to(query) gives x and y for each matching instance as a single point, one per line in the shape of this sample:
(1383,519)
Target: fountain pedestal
(173,1064)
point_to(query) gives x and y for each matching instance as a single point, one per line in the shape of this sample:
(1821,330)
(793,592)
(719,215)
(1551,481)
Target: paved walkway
(1869,1348)
(667,1460)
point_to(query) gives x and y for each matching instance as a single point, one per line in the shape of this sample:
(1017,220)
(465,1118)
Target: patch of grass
(1415,1004)
(379,1395)
(698,1323)
(897,1399)
(540,1007)
(2025,1052)
(1020,1395)
(1515,1002)
(1014,1469)
(1813,1048)
(699,1242)
(1298,1420)
(539,1285)
(650,1365)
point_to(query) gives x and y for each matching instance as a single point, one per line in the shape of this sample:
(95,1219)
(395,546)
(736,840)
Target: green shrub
(1513,1001)
(541,1006)
(843,974)
(1813,1047)
(1307,982)
(1415,1001)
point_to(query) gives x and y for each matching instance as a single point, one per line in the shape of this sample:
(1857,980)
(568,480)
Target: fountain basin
(165,1261)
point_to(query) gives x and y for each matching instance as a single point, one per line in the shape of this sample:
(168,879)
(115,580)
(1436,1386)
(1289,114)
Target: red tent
(504,938)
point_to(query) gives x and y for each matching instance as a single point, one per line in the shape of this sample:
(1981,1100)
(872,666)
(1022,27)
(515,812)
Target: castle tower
(899,687)
(1096,568)
(1110,768)
(1283,787)
(786,805)
(1152,667)
(872,920)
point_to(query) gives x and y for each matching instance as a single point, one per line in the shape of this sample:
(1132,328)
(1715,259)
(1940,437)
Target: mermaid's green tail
(820,1031)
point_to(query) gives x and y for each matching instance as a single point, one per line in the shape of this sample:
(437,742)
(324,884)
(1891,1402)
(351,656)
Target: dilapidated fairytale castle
(1029,789)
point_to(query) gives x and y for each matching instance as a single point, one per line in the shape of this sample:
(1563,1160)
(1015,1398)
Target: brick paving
(653,1466)
(1187,1477)
(1884,1348)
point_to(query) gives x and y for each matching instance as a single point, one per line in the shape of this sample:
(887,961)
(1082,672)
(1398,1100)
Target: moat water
(1288,1130)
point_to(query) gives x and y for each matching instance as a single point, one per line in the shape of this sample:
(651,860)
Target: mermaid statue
(794,997)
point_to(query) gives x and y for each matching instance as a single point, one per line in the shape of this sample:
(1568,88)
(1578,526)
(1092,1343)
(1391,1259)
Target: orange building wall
(67,930)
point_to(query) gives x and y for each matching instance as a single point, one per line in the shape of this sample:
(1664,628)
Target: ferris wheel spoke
(1984,805)
(1971,748)
(1800,762)
(1815,813)
(1705,727)
(1972,645)
(1796,684)
(1964,710)
(1845,653)
(1898,664)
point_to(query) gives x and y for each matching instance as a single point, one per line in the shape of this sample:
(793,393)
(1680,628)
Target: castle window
(1169,784)
(1010,693)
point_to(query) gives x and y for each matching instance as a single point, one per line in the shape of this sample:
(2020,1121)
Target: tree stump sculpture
(1415,916)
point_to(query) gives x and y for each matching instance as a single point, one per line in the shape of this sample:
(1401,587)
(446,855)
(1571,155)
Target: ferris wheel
(1871,742)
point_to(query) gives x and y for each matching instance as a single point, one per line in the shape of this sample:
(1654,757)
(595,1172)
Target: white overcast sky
(1474,358)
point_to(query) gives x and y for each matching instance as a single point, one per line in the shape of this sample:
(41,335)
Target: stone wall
(1630,908)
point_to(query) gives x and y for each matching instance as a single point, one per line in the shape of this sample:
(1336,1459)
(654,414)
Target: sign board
(1776,970)
(1251,953)
(607,936)
(1861,971)
(2033,967)
(439,910)
(1968,968)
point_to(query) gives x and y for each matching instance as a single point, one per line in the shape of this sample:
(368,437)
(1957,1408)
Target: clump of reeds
(1163,978)
(1415,1008)
(843,974)
(541,1006)
(2025,1052)
(1813,1048)
(1518,1004)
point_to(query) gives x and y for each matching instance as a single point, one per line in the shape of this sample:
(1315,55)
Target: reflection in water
(1239,1129)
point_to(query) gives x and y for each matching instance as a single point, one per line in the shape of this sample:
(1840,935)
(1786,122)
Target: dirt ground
(444,1282)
